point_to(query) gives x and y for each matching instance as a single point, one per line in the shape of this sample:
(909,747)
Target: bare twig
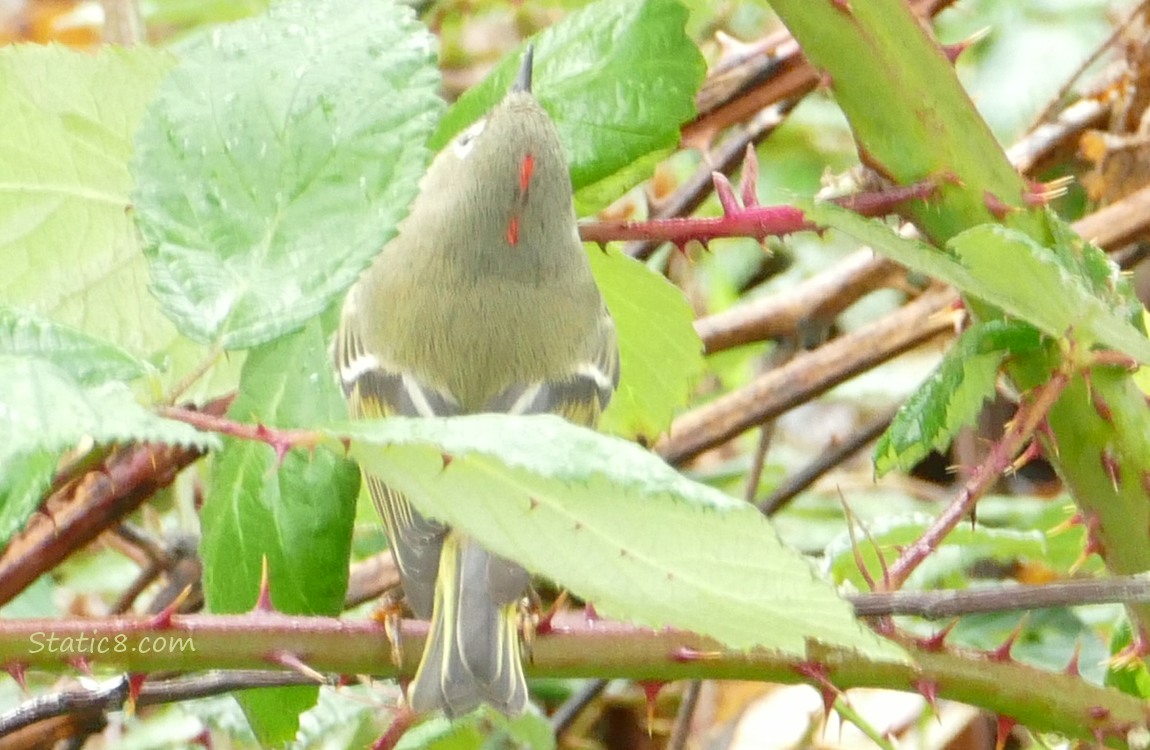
(94,504)
(807,376)
(827,460)
(574,706)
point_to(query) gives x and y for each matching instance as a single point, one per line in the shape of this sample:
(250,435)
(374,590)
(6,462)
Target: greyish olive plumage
(484,302)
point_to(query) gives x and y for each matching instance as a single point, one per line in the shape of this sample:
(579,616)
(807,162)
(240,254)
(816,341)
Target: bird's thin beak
(523,77)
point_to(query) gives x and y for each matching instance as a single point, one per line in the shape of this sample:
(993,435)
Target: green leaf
(87,359)
(1010,271)
(618,77)
(277,159)
(1028,280)
(660,353)
(953,395)
(43,411)
(67,244)
(1132,677)
(298,514)
(615,525)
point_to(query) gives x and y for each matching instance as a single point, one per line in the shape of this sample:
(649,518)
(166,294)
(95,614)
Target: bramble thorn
(19,672)
(264,598)
(819,676)
(928,689)
(295,664)
(686,655)
(81,664)
(546,623)
(163,619)
(954,51)
(1111,467)
(651,690)
(995,205)
(135,685)
(749,182)
(935,643)
(1002,653)
(725,193)
(1072,667)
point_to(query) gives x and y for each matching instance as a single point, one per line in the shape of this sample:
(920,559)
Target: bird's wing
(580,394)
(373,390)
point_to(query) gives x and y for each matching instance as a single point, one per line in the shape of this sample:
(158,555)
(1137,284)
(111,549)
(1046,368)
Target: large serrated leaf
(277,160)
(43,411)
(1007,269)
(298,514)
(618,77)
(953,395)
(615,525)
(67,244)
(86,358)
(660,352)
(1028,280)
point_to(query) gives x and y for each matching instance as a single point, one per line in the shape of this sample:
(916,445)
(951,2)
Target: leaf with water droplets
(276,161)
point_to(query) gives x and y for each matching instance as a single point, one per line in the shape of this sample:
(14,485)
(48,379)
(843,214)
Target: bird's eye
(466,139)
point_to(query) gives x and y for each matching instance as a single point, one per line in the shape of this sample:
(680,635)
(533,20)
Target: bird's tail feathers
(472,655)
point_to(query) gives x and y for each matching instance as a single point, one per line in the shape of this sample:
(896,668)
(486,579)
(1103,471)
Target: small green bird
(483,302)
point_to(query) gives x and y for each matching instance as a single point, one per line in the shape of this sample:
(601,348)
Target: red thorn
(19,672)
(936,642)
(842,5)
(726,193)
(135,684)
(1002,653)
(1112,469)
(1101,407)
(1039,194)
(995,205)
(819,674)
(954,51)
(589,613)
(706,245)
(344,680)
(81,664)
(546,623)
(402,720)
(447,459)
(513,231)
(1002,733)
(1145,477)
(651,690)
(203,739)
(264,598)
(162,620)
(1072,667)
(346,444)
(928,689)
(602,247)
(295,664)
(526,170)
(1098,713)
(748,184)
(1093,542)
(687,655)
(681,246)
